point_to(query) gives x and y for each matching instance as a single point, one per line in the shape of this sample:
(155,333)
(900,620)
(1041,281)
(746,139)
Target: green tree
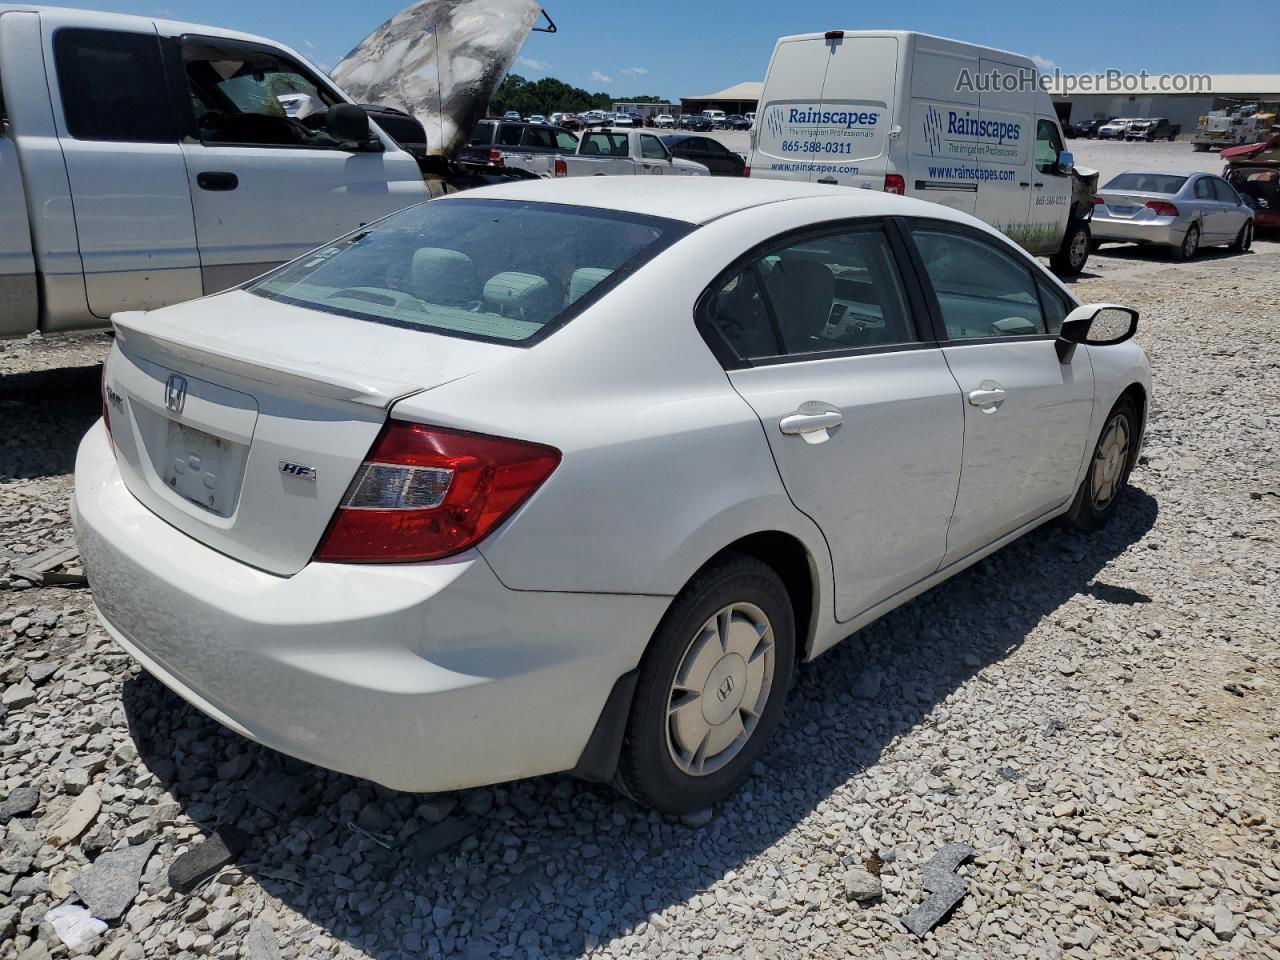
(549,95)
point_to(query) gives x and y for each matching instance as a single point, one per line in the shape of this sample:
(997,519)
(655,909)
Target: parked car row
(1125,128)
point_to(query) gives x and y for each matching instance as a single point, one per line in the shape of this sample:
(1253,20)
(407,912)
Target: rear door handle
(988,397)
(217,180)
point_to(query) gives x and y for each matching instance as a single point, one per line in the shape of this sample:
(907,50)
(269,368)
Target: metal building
(1213,92)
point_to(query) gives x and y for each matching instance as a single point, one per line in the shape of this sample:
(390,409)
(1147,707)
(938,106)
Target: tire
(1071,257)
(666,762)
(1244,239)
(1200,147)
(1189,246)
(1109,469)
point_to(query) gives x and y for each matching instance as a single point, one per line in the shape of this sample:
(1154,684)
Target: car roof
(699,200)
(1165,173)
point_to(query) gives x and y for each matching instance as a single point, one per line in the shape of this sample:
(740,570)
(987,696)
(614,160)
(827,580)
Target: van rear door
(858,97)
(793,87)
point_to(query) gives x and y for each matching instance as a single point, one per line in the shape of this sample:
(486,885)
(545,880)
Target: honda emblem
(175,393)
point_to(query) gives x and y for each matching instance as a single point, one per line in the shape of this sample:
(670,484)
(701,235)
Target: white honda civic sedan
(571,475)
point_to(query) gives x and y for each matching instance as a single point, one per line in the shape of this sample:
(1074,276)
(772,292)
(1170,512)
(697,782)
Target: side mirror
(1066,162)
(1095,325)
(348,124)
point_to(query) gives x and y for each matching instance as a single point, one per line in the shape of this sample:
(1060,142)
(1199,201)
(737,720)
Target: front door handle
(217,180)
(989,397)
(811,425)
(828,180)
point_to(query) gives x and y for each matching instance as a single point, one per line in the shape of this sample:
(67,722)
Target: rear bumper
(420,677)
(1166,231)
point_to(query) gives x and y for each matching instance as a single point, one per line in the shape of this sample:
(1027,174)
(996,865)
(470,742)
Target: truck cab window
(112,86)
(1048,146)
(244,94)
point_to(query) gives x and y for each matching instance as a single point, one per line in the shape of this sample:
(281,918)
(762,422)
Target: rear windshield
(498,270)
(1147,182)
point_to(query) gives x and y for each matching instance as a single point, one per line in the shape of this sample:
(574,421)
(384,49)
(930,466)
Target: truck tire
(1071,257)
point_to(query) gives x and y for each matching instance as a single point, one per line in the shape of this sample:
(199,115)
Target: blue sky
(694,46)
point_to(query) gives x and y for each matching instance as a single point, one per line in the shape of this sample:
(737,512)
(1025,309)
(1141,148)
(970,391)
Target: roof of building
(749,90)
(1212,84)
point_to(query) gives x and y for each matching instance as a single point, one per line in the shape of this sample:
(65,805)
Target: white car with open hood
(572,475)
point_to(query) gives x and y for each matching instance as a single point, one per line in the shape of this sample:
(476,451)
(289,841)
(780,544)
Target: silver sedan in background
(1183,211)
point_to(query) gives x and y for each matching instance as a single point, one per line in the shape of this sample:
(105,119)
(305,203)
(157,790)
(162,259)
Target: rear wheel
(1074,252)
(711,688)
(1108,474)
(1190,244)
(1244,239)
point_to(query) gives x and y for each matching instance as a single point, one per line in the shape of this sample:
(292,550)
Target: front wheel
(1244,239)
(1108,473)
(711,688)
(1071,257)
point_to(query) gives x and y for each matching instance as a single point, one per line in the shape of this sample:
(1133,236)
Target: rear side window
(113,86)
(509,134)
(481,136)
(982,291)
(496,270)
(1204,189)
(829,292)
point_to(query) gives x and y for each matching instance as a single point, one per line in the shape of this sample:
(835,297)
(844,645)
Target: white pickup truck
(611,153)
(144,162)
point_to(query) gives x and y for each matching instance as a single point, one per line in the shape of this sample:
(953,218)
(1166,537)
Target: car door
(266,188)
(720,159)
(1233,211)
(1210,210)
(119,140)
(833,352)
(1026,413)
(654,158)
(1050,192)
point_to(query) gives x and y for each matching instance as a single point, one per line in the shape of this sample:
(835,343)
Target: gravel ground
(1095,715)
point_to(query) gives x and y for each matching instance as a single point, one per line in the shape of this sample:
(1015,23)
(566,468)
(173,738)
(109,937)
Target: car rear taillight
(894,183)
(1097,200)
(496,157)
(1162,208)
(562,168)
(106,405)
(425,492)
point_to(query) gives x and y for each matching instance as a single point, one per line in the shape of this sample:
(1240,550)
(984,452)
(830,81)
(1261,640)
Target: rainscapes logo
(933,131)
(775,121)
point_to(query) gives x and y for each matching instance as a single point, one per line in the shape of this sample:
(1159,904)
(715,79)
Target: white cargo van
(962,125)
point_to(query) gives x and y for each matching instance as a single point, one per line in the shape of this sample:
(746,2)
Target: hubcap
(1079,248)
(1110,461)
(721,687)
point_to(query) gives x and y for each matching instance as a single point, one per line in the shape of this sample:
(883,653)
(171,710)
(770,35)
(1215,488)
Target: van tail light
(496,157)
(1162,208)
(1097,200)
(425,492)
(894,183)
(562,168)
(746,171)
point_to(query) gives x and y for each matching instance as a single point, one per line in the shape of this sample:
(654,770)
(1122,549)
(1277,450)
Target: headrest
(444,276)
(523,295)
(584,279)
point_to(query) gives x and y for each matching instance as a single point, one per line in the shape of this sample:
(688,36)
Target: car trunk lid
(1129,204)
(241,420)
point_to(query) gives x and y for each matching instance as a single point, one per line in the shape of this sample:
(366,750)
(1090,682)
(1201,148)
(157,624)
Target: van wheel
(1071,257)
(1190,244)
(711,688)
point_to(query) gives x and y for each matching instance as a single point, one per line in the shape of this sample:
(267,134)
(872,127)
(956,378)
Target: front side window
(495,270)
(1048,146)
(246,94)
(1223,192)
(830,292)
(982,291)
(113,86)
(651,148)
(1055,306)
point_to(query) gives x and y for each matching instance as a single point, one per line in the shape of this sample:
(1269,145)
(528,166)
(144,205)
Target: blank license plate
(202,468)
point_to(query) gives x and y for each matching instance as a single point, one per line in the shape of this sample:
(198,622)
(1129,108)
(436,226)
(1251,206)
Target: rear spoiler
(200,348)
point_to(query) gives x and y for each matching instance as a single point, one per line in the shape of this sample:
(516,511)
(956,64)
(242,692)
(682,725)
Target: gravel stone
(110,884)
(21,801)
